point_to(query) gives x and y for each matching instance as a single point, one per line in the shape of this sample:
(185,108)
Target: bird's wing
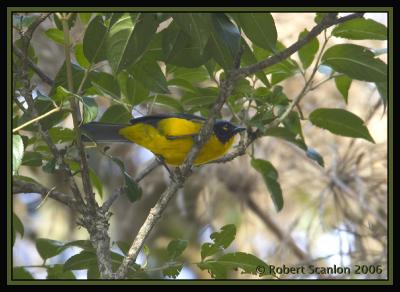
(178,128)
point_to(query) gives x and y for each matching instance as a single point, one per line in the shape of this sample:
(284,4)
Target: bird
(168,136)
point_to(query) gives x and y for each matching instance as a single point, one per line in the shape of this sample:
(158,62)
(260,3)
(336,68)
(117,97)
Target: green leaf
(20,273)
(220,239)
(123,246)
(307,52)
(224,41)
(48,248)
(61,135)
(355,61)
(83,244)
(129,39)
(18,152)
(94,46)
(116,114)
(340,122)
(81,261)
(382,89)
(107,84)
(169,102)
(175,248)
(70,22)
(149,74)
(270,176)
(90,109)
(196,26)
(55,35)
(32,159)
(225,237)
(361,29)
(80,56)
(318,17)
(77,75)
(132,89)
(172,271)
(248,263)
(193,75)
(57,272)
(179,49)
(248,58)
(18,227)
(259,28)
(286,134)
(283,69)
(132,189)
(85,17)
(343,83)
(314,155)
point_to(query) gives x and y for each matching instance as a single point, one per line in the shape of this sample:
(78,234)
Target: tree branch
(20,186)
(328,21)
(34,67)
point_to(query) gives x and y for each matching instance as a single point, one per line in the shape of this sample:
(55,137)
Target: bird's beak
(239,129)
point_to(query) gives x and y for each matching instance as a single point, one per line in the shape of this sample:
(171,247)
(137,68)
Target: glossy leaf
(132,89)
(77,76)
(48,248)
(307,52)
(81,261)
(383,92)
(340,122)
(361,29)
(355,61)
(85,17)
(196,26)
(248,58)
(80,56)
(270,176)
(94,46)
(106,84)
(343,83)
(170,102)
(55,35)
(116,114)
(179,49)
(129,39)
(224,41)
(259,28)
(149,74)
(18,152)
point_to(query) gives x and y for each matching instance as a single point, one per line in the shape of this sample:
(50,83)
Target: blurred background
(332,215)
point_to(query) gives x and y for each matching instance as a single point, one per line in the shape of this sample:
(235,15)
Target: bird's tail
(102,132)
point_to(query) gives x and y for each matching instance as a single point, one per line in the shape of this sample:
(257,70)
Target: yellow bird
(168,136)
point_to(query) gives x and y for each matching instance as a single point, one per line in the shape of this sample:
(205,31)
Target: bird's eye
(225,128)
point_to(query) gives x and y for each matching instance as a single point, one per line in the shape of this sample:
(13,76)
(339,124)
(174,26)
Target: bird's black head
(225,130)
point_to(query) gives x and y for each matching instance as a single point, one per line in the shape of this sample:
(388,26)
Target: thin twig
(154,164)
(54,110)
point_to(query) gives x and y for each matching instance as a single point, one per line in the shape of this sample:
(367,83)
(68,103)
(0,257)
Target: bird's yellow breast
(172,139)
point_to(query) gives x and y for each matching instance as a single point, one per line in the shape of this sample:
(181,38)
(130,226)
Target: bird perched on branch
(169,136)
